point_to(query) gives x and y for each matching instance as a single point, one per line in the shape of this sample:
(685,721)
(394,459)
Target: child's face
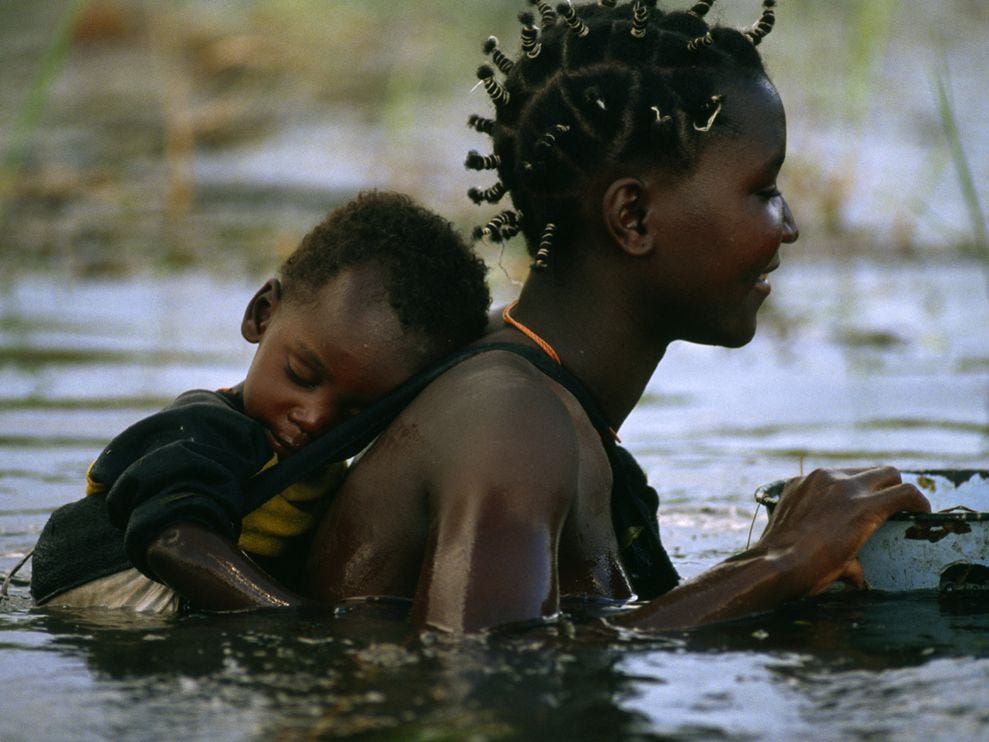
(719,229)
(324,360)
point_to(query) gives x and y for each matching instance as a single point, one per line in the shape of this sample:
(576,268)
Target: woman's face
(718,229)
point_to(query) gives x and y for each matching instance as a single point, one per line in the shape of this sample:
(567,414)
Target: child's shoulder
(224,398)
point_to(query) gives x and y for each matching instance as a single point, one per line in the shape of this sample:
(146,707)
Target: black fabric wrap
(188,463)
(77,545)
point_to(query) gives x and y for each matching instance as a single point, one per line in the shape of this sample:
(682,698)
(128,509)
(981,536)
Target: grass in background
(949,122)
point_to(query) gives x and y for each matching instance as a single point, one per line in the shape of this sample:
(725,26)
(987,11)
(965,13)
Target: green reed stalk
(30,112)
(949,122)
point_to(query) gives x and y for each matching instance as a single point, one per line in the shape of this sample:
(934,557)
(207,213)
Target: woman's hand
(824,518)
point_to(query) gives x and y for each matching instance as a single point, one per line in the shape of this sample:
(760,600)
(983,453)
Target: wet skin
(319,359)
(719,229)
(488,498)
(323,358)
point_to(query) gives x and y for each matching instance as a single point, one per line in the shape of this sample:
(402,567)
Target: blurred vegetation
(137,134)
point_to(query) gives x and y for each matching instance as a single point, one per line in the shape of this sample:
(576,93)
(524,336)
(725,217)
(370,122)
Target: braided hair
(595,86)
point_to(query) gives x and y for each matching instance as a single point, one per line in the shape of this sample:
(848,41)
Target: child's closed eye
(299,377)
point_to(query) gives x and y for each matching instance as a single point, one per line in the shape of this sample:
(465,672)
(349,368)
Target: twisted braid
(596,87)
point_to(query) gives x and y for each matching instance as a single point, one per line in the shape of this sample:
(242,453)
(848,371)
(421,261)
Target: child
(376,292)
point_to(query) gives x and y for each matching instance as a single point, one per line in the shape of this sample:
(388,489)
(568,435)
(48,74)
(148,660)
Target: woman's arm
(812,540)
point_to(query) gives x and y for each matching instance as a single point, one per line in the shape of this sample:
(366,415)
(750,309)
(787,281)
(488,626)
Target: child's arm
(175,489)
(212,573)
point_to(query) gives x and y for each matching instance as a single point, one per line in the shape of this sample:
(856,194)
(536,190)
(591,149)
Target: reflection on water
(854,364)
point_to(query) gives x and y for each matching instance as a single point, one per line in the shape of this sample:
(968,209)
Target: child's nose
(790,230)
(314,419)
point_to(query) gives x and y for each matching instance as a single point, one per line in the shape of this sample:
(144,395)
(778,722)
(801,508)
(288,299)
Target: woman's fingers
(905,497)
(853,574)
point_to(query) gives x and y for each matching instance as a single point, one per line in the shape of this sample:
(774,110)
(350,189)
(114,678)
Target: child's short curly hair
(435,282)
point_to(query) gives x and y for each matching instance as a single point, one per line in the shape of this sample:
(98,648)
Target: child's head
(600,92)
(374,293)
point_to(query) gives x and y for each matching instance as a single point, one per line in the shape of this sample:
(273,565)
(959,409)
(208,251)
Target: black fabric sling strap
(634,504)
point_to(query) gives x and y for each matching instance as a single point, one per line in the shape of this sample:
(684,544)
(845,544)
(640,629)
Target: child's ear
(624,208)
(260,310)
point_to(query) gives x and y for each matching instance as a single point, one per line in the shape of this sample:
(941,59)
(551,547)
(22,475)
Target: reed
(949,123)
(29,113)
(34,104)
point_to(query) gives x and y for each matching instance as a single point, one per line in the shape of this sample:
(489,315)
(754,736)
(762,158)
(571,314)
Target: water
(855,363)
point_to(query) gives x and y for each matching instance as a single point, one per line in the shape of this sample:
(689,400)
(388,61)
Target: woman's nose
(790,230)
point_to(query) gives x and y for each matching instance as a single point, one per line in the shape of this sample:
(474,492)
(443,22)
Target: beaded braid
(481,124)
(596,85)
(764,25)
(530,36)
(572,19)
(502,62)
(491,195)
(640,17)
(701,8)
(502,227)
(546,15)
(499,94)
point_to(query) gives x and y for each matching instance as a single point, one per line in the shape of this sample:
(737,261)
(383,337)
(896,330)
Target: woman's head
(598,92)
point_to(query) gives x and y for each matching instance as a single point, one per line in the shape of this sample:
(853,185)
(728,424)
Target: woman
(640,151)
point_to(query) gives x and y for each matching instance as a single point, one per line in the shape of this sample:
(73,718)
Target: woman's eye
(771,193)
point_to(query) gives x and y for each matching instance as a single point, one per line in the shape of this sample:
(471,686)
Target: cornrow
(764,25)
(600,86)
(502,62)
(547,18)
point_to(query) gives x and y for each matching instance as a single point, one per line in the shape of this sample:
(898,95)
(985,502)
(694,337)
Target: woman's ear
(625,206)
(260,310)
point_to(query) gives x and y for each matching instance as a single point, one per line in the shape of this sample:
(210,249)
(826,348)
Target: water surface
(854,364)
